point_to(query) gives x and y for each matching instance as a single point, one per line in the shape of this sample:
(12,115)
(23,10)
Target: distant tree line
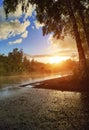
(62,17)
(17,63)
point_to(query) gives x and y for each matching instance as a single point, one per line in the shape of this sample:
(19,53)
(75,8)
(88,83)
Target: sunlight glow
(57,59)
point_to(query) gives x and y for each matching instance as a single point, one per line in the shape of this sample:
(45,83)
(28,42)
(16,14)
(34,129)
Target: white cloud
(38,24)
(67,43)
(53,44)
(51,39)
(61,45)
(17,41)
(30,10)
(15,27)
(25,34)
(17,13)
(12,28)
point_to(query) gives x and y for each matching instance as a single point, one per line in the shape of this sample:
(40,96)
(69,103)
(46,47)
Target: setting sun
(56,59)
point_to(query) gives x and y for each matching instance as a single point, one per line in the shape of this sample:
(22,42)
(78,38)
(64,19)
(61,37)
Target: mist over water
(10,85)
(14,81)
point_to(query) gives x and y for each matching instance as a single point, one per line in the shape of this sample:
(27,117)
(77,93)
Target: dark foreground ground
(44,109)
(66,83)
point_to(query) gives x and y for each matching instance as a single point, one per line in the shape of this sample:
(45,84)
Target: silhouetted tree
(26,65)
(81,9)
(15,60)
(59,17)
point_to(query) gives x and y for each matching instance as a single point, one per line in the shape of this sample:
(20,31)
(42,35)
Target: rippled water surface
(25,79)
(9,85)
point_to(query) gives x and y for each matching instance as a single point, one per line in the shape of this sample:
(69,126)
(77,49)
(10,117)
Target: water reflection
(9,86)
(7,91)
(26,79)
(12,91)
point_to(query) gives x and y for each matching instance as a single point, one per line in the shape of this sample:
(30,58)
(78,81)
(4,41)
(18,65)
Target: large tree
(76,33)
(58,16)
(61,22)
(81,9)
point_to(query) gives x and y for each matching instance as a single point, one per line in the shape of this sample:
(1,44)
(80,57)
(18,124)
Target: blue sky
(34,43)
(23,31)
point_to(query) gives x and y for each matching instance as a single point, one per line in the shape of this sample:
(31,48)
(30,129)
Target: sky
(23,31)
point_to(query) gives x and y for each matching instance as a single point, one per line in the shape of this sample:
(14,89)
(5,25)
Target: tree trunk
(84,27)
(83,22)
(82,59)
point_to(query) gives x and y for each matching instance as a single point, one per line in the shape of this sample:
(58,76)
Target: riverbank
(43,109)
(29,108)
(66,83)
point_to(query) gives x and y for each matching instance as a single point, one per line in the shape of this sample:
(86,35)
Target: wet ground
(39,109)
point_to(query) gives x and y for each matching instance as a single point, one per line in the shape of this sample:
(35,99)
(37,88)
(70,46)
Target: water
(26,107)
(10,85)
(7,81)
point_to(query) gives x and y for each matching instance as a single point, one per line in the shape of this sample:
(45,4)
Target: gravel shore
(44,109)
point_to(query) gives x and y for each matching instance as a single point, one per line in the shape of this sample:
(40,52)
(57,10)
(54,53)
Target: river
(6,81)
(41,109)
(10,85)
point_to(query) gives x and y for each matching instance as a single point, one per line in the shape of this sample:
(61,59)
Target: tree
(60,21)
(58,17)
(82,13)
(26,64)
(15,60)
(11,5)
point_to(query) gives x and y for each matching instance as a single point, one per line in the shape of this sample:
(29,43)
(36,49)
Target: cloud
(67,43)
(25,34)
(53,44)
(38,24)
(53,48)
(30,10)
(12,28)
(17,41)
(62,47)
(18,13)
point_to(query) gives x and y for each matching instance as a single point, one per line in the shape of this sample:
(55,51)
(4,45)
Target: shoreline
(65,83)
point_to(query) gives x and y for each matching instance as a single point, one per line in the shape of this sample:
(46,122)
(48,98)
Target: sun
(57,59)
(54,59)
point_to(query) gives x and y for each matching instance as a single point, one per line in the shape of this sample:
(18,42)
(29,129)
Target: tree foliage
(61,17)
(53,13)
(16,63)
